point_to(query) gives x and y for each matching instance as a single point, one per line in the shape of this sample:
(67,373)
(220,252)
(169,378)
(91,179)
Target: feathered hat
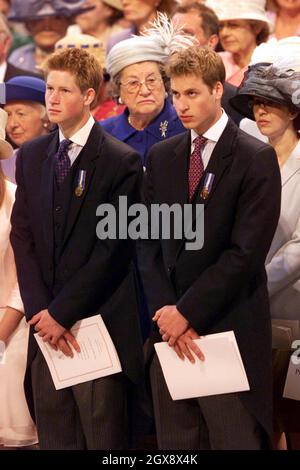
(156,44)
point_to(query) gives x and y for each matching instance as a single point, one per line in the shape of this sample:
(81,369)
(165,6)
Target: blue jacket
(166,124)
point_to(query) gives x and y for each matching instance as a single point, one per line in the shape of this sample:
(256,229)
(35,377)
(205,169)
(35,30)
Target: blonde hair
(200,61)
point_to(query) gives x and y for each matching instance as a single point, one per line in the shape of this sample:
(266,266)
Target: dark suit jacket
(222,286)
(12,71)
(91,275)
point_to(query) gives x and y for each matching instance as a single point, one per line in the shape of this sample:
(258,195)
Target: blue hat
(25,88)
(35,9)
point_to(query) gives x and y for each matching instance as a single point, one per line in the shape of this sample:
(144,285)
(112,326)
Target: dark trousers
(219,422)
(91,415)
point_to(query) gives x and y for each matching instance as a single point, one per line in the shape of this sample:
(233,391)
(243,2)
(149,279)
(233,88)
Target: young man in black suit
(65,272)
(222,286)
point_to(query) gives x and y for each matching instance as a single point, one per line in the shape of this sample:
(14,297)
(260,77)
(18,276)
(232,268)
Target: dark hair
(260,29)
(210,22)
(167,6)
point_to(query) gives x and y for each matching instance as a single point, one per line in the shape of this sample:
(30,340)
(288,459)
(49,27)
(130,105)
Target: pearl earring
(120,101)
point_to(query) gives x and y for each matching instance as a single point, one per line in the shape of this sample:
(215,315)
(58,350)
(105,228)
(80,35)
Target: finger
(157,315)
(64,347)
(172,340)
(161,331)
(185,350)
(47,338)
(70,338)
(41,333)
(53,346)
(196,350)
(178,351)
(34,319)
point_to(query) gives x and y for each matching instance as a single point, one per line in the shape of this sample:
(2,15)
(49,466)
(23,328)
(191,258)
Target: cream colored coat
(9,291)
(283,260)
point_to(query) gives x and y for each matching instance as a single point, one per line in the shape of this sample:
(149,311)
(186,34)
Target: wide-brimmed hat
(117,4)
(156,44)
(6,149)
(239,10)
(25,88)
(89,43)
(27,10)
(268,82)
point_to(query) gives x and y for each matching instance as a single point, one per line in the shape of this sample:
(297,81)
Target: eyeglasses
(134,85)
(261,102)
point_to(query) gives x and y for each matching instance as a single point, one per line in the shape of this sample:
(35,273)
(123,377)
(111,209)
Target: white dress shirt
(78,139)
(212,135)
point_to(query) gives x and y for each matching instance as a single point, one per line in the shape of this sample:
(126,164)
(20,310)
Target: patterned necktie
(62,161)
(196,168)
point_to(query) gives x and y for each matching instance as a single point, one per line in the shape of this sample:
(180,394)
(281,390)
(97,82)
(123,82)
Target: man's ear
(218,90)
(89,96)
(213,41)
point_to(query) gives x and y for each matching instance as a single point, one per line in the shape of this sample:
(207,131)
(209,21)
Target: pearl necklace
(130,122)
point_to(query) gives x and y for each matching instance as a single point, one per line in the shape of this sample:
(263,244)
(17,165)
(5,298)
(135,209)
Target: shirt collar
(214,132)
(81,136)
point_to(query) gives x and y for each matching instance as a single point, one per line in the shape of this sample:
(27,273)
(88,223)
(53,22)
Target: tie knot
(199,141)
(63,146)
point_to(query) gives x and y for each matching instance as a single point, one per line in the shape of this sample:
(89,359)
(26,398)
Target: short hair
(200,61)
(210,22)
(82,65)
(167,6)
(260,29)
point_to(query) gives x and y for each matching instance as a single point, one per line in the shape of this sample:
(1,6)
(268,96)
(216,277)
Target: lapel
(46,191)
(88,156)
(178,171)
(291,166)
(220,159)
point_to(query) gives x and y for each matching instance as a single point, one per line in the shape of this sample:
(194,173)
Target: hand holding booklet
(97,358)
(221,372)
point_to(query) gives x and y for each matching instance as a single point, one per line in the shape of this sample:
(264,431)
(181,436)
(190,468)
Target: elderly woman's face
(24,121)
(237,36)
(137,11)
(142,89)
(272,119)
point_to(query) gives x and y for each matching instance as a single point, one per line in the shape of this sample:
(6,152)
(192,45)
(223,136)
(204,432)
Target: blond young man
(221,286)
(65,272)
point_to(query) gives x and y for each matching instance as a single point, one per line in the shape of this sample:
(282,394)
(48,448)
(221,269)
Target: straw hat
(6,149)
(83,41)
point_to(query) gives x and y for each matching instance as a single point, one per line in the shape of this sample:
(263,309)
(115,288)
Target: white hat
(284,52)
(6,149)
(239,10)
(156,44)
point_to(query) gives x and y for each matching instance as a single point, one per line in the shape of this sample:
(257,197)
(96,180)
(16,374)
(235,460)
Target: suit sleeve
(109,261)
(34,292)
(257,213)
(284,268)
(158,288)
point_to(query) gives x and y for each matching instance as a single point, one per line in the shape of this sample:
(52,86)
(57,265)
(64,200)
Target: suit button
(170,268)
(57,225)
(57,208)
